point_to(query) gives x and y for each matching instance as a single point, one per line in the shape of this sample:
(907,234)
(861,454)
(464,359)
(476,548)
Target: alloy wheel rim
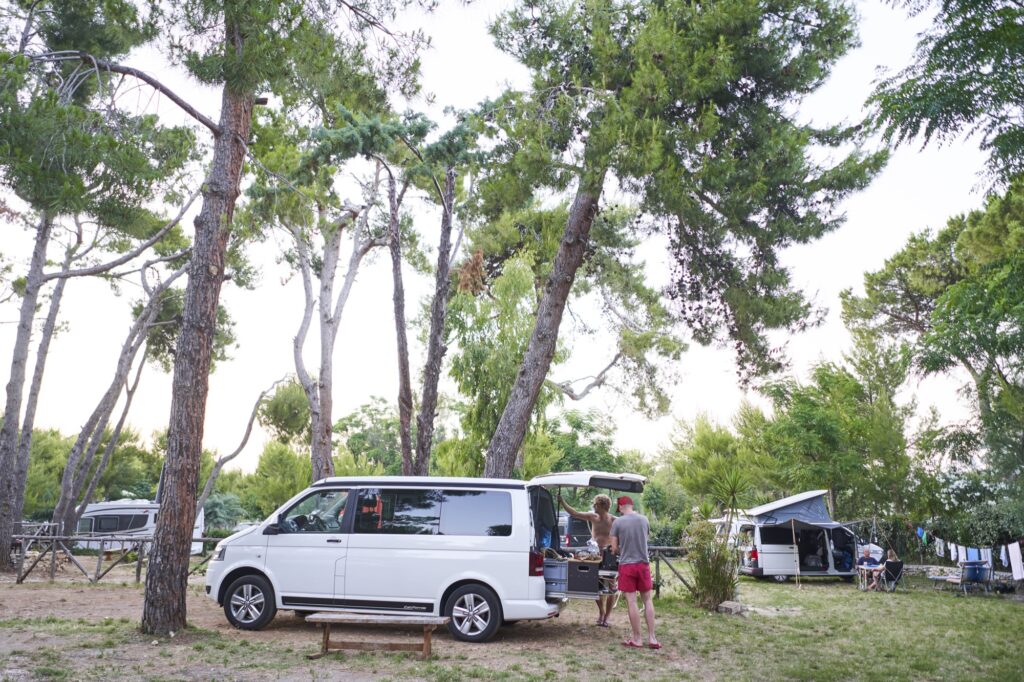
(247,603)
(471,614)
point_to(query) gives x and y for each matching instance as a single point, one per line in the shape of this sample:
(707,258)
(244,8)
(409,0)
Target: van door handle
(333,539)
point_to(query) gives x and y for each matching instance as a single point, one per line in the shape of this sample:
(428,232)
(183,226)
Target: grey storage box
(583,577)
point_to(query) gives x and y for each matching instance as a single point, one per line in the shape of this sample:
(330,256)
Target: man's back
(632,530)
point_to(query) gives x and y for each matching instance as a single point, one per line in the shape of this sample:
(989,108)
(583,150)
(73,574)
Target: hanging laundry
(925,538)
(1004,558)
(1016,563)
(952,551)
(920,532)
(973,554)
(940,549)
(986,555)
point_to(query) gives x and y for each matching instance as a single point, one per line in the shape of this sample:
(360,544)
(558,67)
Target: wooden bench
(327,619)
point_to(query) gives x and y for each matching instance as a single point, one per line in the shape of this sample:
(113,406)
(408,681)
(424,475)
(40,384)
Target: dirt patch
(77,630)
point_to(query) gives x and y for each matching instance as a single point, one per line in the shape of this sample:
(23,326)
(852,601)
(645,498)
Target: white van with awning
(797,536)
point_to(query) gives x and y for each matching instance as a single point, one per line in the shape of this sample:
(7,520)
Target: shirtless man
(600,530)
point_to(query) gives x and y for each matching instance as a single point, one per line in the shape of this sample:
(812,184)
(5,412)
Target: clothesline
(1009,554)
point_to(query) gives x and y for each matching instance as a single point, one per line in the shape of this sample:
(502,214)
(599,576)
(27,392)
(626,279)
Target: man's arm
(586,516)
(615,545)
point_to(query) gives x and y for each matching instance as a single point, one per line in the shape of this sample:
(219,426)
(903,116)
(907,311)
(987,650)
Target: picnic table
(329,618)
(864,574)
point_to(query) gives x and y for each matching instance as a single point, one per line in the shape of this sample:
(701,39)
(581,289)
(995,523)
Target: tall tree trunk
(323,427)
(511,430)
(398,299)
(29,420)
(435,342)
(15,390)
(163,608)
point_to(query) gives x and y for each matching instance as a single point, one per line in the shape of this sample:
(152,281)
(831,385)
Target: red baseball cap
(624,500)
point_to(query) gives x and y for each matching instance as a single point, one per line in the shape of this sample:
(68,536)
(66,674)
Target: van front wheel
(474,612)
(249,603)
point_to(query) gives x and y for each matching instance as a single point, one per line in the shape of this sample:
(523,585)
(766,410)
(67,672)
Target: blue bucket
(974,571)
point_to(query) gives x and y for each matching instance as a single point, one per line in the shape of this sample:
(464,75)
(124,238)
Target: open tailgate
(630,483)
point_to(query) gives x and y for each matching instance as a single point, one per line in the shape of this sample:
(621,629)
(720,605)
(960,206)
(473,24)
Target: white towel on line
(986,555)
(940,547)
(1016,564)
(962,551)
(952,551)
(1004,558)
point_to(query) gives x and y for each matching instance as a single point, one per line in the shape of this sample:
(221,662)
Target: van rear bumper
(748,570)
(530,609)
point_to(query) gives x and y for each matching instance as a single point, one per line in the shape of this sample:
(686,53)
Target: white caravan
(796,536)
(126,518)
(467,548)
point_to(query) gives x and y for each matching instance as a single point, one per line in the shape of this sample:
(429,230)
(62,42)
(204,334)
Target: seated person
(870,563)
(890,556)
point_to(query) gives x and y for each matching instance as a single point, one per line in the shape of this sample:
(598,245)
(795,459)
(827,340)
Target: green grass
(832,631)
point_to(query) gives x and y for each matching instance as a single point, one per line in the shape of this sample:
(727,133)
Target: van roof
(421,482)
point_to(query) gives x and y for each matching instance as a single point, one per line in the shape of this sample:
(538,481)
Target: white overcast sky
(920,188)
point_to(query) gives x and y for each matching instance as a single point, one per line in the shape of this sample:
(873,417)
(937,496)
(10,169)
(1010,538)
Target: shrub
(714,563)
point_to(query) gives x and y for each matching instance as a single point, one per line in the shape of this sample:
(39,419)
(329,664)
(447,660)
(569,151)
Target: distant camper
(795,536)
(127,518)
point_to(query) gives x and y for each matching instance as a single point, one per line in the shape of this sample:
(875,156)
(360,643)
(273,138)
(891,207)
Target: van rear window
(433,512)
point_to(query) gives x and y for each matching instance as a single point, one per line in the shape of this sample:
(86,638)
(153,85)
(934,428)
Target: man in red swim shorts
(629,541)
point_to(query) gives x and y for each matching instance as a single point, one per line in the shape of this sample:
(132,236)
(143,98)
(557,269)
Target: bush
(668,533)
(714,562)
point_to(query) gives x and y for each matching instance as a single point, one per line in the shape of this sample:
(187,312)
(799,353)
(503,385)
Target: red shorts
(635,578)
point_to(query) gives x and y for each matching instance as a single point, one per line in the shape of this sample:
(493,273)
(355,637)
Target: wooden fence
(56,549)
(663,555)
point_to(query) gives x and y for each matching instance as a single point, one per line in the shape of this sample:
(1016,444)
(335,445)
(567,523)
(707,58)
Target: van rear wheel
(780,578)
(249,603)
(475,613)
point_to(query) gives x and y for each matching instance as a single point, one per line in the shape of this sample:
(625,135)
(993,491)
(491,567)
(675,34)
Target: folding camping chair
(892,576)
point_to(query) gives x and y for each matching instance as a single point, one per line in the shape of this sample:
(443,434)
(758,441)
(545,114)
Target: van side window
(106,524)
(321,512)
(777,535)
(398,512)
(476,512)
(84,525)
(134,521)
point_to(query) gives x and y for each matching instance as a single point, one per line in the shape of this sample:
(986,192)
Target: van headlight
(218,552)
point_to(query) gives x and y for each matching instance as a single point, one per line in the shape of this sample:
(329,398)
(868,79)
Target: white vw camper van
(796,536)
(468,548)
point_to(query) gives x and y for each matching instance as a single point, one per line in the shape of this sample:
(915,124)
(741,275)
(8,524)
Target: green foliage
(371,434)
(223,511)
(457,457)
(286,414)
(280,474)
(132,472)
(714,563)
(964,78)
(955,298)
(492,332)
(686,106)
(539,455)
(348,464)
(162,338)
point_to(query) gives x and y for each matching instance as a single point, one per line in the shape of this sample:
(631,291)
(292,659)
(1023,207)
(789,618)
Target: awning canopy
(806,508)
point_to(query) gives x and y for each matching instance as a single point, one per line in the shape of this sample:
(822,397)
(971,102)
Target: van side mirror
(272,529)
